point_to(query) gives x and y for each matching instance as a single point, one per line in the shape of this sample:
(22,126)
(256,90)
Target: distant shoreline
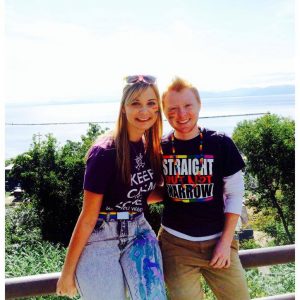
(236,109)
(11,105)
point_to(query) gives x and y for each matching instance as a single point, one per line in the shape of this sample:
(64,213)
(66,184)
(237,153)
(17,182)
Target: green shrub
(280,280)
(21,226)
(248,244)
(25,251)
(38,258)
(52,177)
(268,144)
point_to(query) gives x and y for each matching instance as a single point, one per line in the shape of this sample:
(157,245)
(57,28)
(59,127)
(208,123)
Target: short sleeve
(232,159)
(99,169)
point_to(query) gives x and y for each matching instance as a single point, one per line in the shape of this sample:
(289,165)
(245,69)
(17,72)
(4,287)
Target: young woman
(113,247)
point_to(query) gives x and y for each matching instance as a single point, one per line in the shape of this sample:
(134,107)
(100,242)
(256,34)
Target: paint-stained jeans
(105,271)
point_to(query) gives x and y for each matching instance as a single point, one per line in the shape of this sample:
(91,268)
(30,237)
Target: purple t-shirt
(103,177)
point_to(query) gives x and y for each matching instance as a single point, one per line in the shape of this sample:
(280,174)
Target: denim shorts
(107,271)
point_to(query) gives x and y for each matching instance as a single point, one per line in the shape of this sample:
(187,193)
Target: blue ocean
(216,113)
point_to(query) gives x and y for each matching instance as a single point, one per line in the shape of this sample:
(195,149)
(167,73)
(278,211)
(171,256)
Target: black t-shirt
(194,202)
(103,177)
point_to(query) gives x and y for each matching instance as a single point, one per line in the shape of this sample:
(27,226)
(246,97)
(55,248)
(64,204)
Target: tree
(268,144)
(52,178)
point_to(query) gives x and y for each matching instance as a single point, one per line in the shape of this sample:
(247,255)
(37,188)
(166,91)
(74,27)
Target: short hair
(177,85)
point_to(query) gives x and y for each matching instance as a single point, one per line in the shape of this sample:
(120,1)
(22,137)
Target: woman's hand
(66,286)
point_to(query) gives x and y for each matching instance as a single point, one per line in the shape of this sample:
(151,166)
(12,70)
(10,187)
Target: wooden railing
(45,284)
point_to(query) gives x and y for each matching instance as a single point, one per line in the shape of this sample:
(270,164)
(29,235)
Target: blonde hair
(152,136)
(177,85)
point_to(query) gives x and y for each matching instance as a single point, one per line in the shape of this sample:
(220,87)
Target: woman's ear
(123,109)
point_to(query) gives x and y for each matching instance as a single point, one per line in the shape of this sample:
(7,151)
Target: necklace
(201,159)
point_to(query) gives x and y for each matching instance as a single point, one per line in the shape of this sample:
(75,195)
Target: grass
(38,258)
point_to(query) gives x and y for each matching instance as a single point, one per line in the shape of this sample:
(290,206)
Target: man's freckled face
(182,110)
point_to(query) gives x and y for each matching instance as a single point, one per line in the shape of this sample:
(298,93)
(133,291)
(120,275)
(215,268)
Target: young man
(204,187)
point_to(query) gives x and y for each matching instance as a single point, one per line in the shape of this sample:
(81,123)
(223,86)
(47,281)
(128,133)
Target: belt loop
(107,217)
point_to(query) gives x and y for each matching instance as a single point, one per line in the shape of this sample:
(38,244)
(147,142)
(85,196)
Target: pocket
(99,226)
(144,225)
(235,245)
(145,230)
(99,232)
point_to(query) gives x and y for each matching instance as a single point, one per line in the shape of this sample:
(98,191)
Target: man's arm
(221,255)
(233,199)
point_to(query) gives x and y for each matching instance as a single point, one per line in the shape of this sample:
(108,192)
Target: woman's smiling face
(141,113)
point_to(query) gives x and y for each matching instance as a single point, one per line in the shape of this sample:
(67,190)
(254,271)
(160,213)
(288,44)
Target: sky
(70,49)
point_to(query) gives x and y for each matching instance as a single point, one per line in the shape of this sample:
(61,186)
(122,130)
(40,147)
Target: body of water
(18,138)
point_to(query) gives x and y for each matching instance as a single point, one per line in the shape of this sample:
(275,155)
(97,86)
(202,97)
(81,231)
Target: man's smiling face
(182,111)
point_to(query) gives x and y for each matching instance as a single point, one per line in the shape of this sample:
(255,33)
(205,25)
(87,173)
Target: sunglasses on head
(140,78)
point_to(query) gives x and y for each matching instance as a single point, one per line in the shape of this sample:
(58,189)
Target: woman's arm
(83,229)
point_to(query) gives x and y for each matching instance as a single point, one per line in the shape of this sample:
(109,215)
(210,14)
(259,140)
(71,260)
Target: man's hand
(221,255)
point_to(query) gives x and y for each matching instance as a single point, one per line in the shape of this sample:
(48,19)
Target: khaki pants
(184,262)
